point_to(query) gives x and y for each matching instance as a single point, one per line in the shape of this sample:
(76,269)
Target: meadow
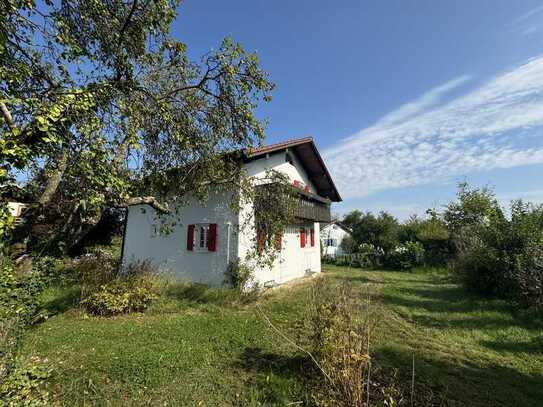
(196,346)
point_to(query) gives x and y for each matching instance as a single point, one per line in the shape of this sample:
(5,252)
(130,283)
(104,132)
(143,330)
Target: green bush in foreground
(121,296)
(19,309)
(107,290)
(24,385)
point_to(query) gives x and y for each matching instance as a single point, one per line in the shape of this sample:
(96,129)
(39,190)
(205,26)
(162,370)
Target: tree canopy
(100,103)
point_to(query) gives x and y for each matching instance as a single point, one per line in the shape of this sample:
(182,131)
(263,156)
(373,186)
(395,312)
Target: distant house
(16,209)
(332,235)
(208,238)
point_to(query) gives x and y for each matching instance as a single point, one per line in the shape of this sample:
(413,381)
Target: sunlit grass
(200,345)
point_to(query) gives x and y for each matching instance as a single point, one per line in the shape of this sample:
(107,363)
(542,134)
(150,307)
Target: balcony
(308,206)
(312,207)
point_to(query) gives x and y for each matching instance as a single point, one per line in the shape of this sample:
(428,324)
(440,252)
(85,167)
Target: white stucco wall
(333,231)
(293,261)
(277,162)
(169,251)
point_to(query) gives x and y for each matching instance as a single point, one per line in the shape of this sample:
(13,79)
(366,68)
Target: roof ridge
(280,144)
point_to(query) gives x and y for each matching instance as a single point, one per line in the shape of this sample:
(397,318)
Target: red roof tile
(278,146)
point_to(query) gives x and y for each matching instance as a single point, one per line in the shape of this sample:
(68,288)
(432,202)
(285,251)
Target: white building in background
(208,237)
(332,235)
(16,209)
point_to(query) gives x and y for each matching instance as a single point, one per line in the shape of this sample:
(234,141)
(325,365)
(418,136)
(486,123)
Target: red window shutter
(212,238)
(302,237)
(190,237)
(312,236)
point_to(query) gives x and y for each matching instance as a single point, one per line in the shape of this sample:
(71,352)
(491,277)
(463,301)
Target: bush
(121,296)
(107,290)
(95,269)
(405,256)
(131,290)
(241,278)
(530,277)
(339,330)
(503,257)
(24,385)
(19,308)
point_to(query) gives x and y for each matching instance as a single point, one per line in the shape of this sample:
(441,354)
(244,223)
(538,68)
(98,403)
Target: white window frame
(198,238)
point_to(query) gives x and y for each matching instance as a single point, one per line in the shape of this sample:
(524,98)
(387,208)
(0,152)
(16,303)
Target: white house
(209,236)
(332,235)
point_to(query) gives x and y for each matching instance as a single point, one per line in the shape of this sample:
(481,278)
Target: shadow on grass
(276,379)
(61,300)
(464,383)
(535,346)
(426,276)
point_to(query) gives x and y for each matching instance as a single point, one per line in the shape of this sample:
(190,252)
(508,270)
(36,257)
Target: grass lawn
(195,348)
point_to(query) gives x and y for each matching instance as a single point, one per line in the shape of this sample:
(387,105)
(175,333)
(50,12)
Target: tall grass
(340,327)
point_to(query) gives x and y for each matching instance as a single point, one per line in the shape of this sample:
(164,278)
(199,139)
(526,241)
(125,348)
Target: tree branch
(127,21)
(146,200)
(7,115)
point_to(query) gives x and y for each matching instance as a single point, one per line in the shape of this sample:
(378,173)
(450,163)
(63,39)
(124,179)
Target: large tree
(100,103)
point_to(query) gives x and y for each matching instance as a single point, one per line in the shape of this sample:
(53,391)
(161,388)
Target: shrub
(405,256)
(339,333)
(239,275)
(95,269)
(19,308)
(107,290)
(241,278)
(24,385)
(530,277)
(123,295)
(503,257)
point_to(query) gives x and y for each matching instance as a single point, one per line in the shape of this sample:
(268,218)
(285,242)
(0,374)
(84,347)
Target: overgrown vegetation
(20,308)
(495,251)
(88,87)
(212,350)
(120,291)
(240,277)
(497,254)
(340,326)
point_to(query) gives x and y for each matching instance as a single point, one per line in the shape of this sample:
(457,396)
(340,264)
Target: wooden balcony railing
(308,206)
(312,207)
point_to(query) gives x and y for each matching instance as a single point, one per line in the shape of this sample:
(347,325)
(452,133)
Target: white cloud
(531,17)
(425,142)
(529,31)
(529,14)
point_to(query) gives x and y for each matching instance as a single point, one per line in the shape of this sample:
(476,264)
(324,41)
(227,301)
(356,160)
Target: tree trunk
(54,180)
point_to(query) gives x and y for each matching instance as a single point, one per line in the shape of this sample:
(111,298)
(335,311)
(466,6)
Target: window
(330,242)
(202,237)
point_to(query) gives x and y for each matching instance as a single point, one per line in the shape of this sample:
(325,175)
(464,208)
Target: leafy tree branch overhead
(96,96)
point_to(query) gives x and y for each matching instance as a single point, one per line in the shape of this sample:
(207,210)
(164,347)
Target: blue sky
(404,98)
